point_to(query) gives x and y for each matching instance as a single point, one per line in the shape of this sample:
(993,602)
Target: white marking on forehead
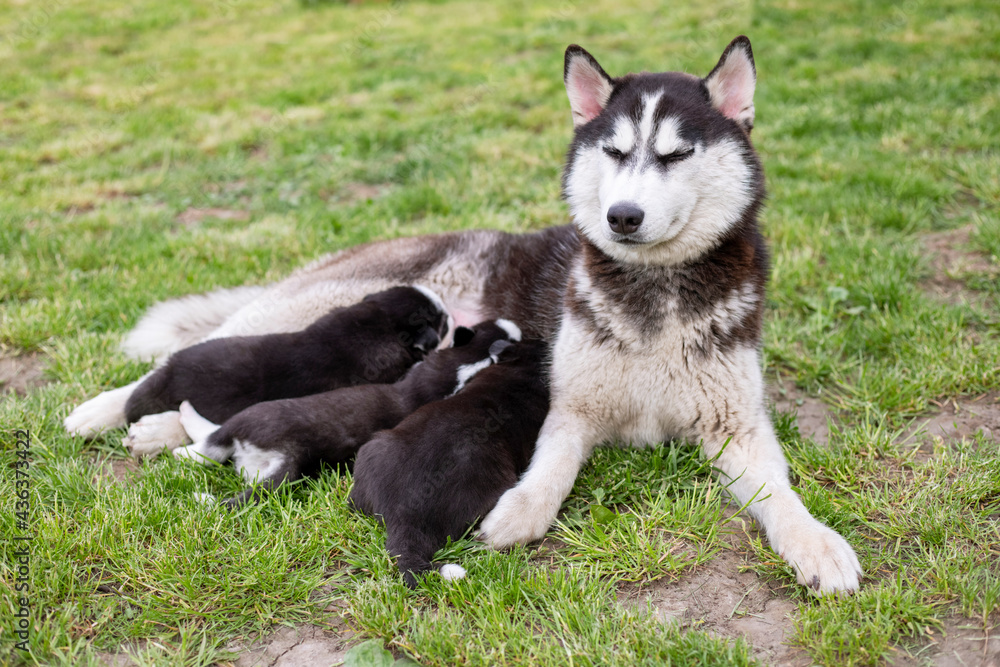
(624,137)
(513,331)
(668,138)
(649,108)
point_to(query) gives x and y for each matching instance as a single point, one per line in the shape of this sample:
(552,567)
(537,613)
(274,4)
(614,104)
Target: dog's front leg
(525,512)
(754,467)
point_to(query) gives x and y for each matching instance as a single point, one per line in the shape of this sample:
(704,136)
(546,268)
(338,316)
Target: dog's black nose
(625,218)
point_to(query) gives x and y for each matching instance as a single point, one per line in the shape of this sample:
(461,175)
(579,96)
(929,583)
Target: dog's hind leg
(208,446)
(413,550)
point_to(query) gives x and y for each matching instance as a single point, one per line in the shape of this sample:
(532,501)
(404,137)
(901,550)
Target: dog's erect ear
(463,336)
(427,339)
(732,82)
(587,85)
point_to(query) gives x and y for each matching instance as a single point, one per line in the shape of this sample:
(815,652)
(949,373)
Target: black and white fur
(444,467)
(374,341)
(652,300)
(281,441)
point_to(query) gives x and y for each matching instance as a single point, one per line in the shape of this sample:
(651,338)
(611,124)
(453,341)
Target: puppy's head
(421,318)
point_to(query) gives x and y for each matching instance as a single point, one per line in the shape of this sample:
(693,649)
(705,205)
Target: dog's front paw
(153,433)
(518,518)
(822,559)
(104,412)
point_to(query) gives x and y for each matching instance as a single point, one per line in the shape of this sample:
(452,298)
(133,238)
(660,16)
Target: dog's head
(422,320)
(661,167)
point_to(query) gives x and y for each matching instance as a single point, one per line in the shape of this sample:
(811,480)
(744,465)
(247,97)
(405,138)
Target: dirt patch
(117,471)
(952,259)
(961,644)
(720,599)
(811,414)
(956,419)
(194,216)
(299,646)
(354,192)
(19,374)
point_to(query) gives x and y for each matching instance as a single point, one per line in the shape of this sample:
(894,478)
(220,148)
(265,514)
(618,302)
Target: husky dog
(280,441)
(652,301)
(445,466)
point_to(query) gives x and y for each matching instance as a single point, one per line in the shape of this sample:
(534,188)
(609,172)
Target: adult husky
(652,300)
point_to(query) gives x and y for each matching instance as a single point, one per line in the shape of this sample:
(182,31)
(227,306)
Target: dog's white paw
(516,519)
(104,412)
(153,433)
(823,560)
(452,572)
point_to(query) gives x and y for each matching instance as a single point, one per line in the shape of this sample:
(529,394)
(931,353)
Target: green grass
(325,125)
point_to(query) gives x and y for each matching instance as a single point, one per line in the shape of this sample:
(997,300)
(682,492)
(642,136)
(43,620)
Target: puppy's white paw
(452,572)
(153,433)
(205,498)
(823,560)
(518,518)
(197,427)
(104,412)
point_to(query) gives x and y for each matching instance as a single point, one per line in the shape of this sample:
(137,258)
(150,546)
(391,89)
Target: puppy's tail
(173,325)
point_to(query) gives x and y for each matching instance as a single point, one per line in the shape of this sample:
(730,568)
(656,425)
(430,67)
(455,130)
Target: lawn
(156,149)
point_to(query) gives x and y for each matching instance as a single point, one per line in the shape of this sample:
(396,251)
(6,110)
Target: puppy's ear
(498,347)
(731,84)
(463,336)
(587,85)
(427,339)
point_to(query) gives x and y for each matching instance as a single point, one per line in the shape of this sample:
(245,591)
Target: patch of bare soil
(811,413)
(20,373)
(961,644)
(957,419)
(193,216)
(117,471)
(299,646)
(952,259)
(354,191)
(717,598)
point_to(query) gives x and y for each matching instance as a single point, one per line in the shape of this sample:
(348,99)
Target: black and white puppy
(445,466)
(374,341)
(281,441)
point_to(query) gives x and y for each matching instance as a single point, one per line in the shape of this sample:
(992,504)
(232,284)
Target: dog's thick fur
(652,300)
(444,467)
(281,441)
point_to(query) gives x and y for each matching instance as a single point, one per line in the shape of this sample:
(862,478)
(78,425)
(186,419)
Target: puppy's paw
(823,560)
(452,572)
(104,412)
(153,433)
(518,518)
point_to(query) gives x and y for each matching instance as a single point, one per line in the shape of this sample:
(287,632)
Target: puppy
(278,441)
(446,465)
(374,341)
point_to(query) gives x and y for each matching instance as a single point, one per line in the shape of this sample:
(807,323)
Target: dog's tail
(173,325)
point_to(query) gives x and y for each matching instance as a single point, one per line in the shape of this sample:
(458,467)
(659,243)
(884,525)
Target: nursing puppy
(445,466)
(374,341)
(281,441)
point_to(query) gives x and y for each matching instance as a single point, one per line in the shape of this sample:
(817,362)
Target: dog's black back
(374,341)
(445,466)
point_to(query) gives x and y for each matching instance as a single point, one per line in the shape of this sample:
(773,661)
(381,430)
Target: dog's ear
(427,339)
(463,336)
(587,85)
(497,348)
(731,84)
